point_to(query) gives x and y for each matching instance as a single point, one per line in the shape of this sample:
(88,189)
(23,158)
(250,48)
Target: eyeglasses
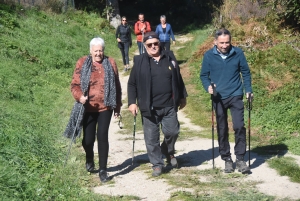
(150,44)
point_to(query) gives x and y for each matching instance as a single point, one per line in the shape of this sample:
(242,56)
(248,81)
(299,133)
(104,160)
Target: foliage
(289,10)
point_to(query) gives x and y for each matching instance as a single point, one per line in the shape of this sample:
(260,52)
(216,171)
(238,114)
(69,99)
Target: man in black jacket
(156,88)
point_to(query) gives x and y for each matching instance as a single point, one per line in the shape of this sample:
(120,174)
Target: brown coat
(95,101)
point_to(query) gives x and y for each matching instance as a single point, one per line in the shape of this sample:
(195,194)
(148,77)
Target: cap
(150,35)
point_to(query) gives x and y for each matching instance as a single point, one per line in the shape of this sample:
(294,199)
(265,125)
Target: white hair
(97,41)
(163,16)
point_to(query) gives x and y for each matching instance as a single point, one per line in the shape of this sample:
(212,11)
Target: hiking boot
(90,165)
(125,69)
(242,166)
(228,166)
(157,171)
(104,176)
(173,161)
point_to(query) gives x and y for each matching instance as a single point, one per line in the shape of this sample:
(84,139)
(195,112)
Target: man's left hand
(182,103)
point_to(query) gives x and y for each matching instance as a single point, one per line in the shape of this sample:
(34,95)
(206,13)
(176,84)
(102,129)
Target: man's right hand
(210,89)
(133,108)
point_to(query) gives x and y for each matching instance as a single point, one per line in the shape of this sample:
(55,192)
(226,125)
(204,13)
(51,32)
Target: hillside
(38,51)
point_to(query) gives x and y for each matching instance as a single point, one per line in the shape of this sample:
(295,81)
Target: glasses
(150,44)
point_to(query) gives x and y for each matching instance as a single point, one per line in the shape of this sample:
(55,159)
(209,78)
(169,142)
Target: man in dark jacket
(226,67)
(156,88)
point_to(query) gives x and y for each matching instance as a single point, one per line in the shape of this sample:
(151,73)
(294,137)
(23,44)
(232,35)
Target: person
(156,88)
(103,97)
(164,31)
(226,67)
(123,36)
(140,28)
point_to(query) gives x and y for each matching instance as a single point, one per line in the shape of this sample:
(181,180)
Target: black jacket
(139,83)
(124,34)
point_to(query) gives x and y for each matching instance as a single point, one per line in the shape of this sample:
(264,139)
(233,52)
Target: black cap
(150,35)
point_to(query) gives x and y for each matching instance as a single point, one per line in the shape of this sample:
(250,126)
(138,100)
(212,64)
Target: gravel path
(195,153)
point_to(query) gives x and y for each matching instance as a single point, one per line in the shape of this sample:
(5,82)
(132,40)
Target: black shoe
(90,166)
(228,166)
(242,166)
(157,171)
(104,176)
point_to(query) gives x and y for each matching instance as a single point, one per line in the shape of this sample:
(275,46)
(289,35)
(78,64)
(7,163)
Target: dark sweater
(230,75)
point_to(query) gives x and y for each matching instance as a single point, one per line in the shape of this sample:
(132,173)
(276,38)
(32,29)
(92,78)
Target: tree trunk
(113,12)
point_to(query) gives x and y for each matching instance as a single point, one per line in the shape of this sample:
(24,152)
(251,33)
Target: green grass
(286,166)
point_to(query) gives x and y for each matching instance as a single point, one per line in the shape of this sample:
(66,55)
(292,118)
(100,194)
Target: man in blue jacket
(156,88)
(226,67)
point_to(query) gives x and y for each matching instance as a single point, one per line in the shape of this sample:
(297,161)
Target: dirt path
(194,153)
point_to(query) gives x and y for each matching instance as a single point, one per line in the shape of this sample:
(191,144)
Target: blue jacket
(230,75)
(165,37)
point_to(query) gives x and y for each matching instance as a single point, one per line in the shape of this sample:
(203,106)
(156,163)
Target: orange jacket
(95,101)
(137,30)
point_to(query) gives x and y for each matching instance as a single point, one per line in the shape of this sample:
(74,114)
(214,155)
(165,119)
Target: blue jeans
(141,47)
(236,106)
(167,118)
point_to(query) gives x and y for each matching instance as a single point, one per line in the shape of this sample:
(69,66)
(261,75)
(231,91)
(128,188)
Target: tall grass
(38,52)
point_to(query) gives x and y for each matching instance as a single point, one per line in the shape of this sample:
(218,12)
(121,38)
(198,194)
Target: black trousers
(124,48)
(101,120)
(236,106)
(165,45)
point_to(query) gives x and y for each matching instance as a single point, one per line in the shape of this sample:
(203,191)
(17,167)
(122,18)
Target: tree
(113,12)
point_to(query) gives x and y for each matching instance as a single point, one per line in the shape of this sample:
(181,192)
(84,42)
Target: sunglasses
(150,44)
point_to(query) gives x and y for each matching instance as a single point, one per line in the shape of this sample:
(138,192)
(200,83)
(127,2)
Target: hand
(182,103)
(174,43)
(210,89)
(119,40)
(249,95)
(116,115)
(133,108)
(83,99)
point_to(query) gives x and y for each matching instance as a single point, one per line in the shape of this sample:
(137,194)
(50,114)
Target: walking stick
(249,108)
(212,120)
(143,42)
(73,135)
(134,122)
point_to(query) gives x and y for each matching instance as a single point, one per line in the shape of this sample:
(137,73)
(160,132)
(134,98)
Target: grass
(38,51)
(286,166)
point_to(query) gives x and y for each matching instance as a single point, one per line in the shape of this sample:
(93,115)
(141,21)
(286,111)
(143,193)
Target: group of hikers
(156,89)
(141,27)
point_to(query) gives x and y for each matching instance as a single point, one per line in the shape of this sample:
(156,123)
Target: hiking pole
(212,120)
(249,108)
(73,135)
(133,141)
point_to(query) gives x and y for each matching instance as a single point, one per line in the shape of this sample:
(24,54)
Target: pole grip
(214,89)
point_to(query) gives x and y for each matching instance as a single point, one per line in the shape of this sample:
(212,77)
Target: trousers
(166,118)
(101,120)
(236,106)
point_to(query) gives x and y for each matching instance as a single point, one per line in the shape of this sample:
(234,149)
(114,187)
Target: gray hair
(163,16)
(97,41)
(222,31)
